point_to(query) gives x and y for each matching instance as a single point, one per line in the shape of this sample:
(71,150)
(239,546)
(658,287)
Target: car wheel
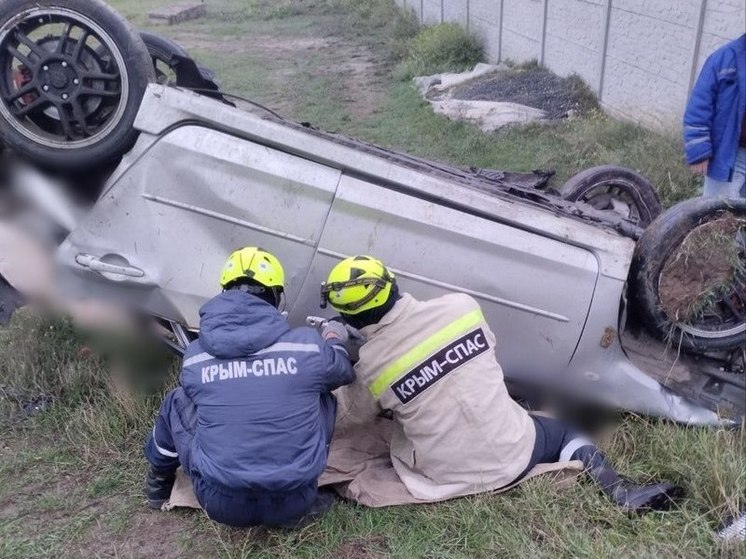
(167,56)
(688,275)
(617,189)
(72,76)
(174,66)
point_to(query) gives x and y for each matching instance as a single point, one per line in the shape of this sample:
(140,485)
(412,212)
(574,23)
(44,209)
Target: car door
(535,290)
(159,235)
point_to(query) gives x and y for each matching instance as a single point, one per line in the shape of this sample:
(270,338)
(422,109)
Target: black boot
(323,503)
(158,487)
(633,497)
(630,496)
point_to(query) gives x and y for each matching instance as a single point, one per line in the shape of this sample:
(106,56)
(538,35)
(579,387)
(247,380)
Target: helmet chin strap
(281,301)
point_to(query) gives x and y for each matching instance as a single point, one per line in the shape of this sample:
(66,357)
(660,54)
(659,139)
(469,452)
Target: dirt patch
(361,73)
(362,548)
(533,87)
(354,69)
(145,534)
(46,503)
(703,269)
(256,44)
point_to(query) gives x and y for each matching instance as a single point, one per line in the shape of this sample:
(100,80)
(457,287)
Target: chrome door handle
(97,265)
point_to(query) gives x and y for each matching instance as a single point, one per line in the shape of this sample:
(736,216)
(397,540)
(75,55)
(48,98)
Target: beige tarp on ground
(438,90)
(360,470)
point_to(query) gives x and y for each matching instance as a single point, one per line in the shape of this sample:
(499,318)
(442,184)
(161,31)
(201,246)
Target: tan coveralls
(456,429)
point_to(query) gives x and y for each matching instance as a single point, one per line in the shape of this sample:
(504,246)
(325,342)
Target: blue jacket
(714,115)
(257,384)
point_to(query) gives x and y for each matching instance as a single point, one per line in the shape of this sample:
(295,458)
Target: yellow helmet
(254,264)
(357,284)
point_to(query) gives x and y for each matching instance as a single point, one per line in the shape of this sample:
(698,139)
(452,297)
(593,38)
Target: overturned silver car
(571,289)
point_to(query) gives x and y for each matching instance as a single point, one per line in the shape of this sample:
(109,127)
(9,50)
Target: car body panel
(205,178)
(212,196)
(164,108)
(534,290)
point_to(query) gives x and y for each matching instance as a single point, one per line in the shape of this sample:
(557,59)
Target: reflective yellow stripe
(418,353)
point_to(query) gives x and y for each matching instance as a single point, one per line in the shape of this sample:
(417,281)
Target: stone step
(178,13)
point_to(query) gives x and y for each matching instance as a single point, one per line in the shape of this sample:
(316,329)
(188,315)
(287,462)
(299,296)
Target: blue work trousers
(169,445)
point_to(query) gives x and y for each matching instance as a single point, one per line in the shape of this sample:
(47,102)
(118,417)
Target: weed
(445,47)
(583,93)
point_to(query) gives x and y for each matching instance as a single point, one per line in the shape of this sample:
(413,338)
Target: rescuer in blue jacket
(254,415)
(715,122)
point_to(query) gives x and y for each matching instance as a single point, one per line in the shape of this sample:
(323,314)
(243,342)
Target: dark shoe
(323,503)
(628,495)
(158,487)
(632,497)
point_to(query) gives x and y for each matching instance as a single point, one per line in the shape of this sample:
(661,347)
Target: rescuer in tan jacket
(456,429)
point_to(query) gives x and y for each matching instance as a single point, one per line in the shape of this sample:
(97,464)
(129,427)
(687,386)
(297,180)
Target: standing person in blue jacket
(253,418)
(715,122)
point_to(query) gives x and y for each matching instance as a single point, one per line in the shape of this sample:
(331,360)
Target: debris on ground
(25,404)
(492,96)
(443,82)
(535,87)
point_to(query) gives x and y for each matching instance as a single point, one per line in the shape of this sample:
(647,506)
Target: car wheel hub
(71,94)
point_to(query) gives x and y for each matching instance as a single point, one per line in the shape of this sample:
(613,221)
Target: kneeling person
(254,415)
(456,429)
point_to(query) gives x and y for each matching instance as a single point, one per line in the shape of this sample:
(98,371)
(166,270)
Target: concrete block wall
(640,56)
(574,39)
(431,11)
(458,11)
(523,22)
(721,23)
(485,19)
(649,58)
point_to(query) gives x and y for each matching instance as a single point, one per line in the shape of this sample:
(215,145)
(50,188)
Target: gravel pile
(535,87)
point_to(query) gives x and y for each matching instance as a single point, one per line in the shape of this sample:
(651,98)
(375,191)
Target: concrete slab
(178,13)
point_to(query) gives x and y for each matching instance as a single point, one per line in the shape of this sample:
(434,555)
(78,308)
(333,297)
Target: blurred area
(37,211)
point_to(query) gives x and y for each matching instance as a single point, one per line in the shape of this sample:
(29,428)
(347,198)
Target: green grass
(309,84)
(446,47)
(72,481)
(566,147)
(72,475)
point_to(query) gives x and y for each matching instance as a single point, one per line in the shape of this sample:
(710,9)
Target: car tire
(84,139)
(660,242)
(170,53)
(598,186)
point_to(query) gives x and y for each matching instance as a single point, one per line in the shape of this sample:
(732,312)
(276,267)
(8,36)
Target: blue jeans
(734,188)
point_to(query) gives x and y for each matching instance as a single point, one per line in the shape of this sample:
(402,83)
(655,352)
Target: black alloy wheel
(72,75)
